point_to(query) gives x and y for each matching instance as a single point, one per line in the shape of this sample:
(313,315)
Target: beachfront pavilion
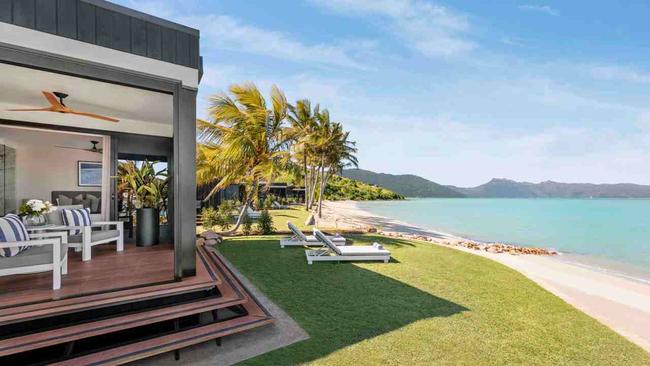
(85,84)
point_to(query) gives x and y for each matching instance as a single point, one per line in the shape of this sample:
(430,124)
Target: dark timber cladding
(107,25)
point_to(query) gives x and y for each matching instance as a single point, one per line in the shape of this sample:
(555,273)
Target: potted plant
(149,189)
(33,212)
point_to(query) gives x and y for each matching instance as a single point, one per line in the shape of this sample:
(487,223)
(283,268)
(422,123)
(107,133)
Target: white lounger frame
(301,240)
(328,254)
(294,242)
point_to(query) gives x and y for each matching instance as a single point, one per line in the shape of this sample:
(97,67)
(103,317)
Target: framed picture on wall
(89,174)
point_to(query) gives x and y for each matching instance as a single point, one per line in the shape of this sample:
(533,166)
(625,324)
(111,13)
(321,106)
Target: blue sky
(458,92)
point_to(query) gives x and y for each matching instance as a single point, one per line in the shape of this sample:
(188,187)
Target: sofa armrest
(104,223)
(61,235)
(11,244)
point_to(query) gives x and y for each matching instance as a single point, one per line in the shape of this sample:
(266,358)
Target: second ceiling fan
(57,105)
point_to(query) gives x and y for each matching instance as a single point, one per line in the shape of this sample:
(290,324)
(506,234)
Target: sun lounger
(300,239)
(331,252)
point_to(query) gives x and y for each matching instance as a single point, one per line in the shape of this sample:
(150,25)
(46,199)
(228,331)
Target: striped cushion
(12,229)
(76,217)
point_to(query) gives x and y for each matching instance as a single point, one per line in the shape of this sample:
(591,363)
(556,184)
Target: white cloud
(619,73)
(539,9)
(510,41)
(449,151)
(229,33)
(433,30)
(226,32)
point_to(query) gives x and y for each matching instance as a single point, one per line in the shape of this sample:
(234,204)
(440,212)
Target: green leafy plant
(225,214)
(247,224)
(210,217)
(265,223)
(148,187)
(268,202)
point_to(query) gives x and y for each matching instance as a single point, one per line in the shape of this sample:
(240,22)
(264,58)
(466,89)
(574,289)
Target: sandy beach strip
(620,303)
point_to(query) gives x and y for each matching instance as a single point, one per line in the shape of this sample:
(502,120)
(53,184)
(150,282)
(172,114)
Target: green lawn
(431,305)
(297,216)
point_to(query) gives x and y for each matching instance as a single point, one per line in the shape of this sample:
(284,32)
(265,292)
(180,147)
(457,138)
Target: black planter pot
(147,227)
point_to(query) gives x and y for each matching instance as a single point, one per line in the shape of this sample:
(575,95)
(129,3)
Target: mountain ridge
(411,185)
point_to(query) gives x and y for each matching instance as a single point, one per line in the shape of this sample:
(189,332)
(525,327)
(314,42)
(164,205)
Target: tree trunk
(313,188)
(247,203)
(313,178)
(304,165)
(323,184)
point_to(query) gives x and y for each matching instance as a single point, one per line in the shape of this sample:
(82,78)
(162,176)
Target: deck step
(171,342)
(118,332)
(112,324)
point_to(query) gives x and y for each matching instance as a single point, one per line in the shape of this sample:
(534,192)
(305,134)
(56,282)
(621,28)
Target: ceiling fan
(59,106)
(93,149)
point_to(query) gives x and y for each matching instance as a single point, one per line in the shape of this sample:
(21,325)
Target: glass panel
(2,180)
(10,179)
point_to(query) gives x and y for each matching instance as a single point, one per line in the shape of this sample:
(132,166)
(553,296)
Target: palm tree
(336,152)
(303,123)
(245,142)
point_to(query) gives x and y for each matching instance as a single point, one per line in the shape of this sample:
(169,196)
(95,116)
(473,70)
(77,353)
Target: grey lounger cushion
(362,250)
(33,256)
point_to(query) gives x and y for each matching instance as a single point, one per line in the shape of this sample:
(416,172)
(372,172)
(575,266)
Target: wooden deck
(108,270)
(221,292)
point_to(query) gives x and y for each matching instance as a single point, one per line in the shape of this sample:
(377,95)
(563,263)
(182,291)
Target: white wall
(41,167)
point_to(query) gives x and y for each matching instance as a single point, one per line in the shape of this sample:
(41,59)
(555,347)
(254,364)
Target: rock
(200,241)
(211,242)
(209,234)
(311,220)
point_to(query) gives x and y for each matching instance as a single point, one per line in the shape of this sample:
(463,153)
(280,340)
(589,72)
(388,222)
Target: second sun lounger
(332,252)
(300,239)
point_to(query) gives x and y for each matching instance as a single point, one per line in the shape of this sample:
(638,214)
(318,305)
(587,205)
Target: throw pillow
(12,229)
(76,217)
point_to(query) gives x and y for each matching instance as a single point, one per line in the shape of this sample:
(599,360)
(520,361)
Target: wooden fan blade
(53,101)
(48,109)
(92,115)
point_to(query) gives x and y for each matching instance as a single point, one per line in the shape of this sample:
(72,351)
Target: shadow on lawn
(338,304)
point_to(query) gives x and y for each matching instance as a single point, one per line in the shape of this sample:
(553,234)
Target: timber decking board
(155,346)
(21,307)
(212,271)
(91,329)
(256,316)
(107,270)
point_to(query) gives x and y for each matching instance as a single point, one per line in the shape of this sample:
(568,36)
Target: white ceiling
(45,138)
(139,111)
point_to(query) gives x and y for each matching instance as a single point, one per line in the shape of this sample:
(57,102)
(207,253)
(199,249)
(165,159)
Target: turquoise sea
(608,234)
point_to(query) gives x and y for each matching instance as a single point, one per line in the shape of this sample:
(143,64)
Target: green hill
(407,185)
(340,188)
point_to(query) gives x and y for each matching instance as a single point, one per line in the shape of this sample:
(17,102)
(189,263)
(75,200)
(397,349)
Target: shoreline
(621,303)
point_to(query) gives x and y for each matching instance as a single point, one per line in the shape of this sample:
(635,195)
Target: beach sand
(620,303)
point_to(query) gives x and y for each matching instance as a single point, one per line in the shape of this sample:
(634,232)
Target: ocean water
(607,234)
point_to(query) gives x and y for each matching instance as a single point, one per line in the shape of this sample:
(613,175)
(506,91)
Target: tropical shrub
(268,202)
(210,217)
(265,223)
(246,224)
